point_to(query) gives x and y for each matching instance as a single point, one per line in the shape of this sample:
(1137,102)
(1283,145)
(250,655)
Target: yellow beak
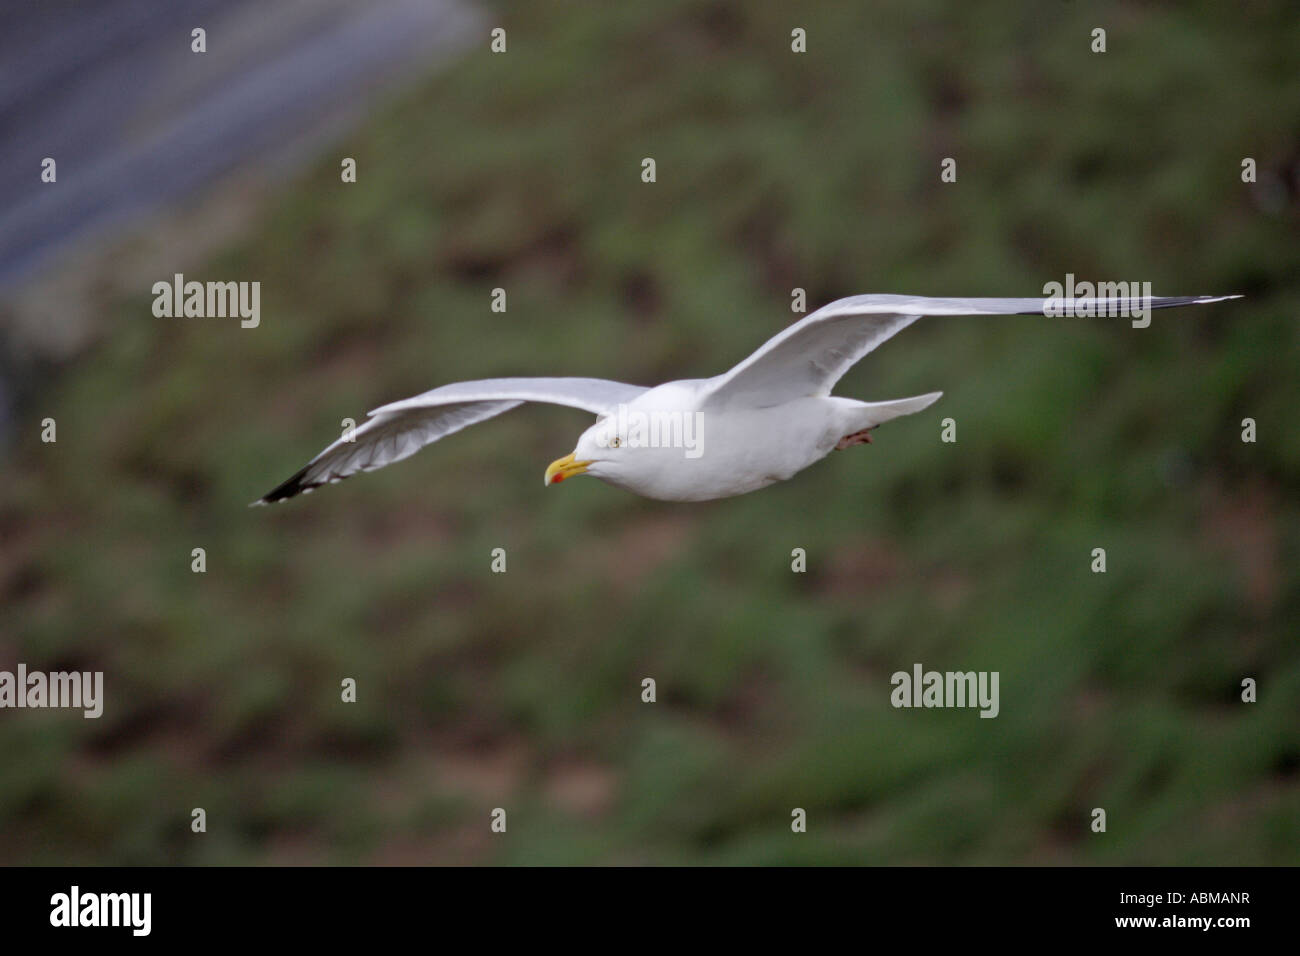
(563,468)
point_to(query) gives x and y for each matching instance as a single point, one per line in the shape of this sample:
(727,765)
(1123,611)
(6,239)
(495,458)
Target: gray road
(135,120)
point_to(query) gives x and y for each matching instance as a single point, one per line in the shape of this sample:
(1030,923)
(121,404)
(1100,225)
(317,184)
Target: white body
(740,449)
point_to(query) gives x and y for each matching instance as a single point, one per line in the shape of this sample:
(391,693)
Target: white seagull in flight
(763,421)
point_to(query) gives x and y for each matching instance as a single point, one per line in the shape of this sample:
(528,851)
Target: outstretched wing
(400,429)
(809,357)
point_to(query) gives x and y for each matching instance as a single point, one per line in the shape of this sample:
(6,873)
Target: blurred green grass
(522,690)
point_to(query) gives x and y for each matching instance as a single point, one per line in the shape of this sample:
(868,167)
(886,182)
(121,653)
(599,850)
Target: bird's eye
(615,442)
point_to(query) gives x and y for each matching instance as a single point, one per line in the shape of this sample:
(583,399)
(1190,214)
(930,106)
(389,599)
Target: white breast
(737,451)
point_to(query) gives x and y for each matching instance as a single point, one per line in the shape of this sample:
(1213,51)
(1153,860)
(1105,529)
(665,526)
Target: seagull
(762,421)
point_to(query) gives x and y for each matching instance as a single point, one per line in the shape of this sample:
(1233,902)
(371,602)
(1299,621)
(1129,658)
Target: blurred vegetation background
(522,690)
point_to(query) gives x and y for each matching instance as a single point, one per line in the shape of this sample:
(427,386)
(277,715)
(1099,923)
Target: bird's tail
(872,414)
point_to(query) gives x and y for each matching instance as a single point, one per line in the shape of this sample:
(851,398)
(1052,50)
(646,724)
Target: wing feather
(811,355)
(400,429)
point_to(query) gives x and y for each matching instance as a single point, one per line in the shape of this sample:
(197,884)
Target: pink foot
(857,438)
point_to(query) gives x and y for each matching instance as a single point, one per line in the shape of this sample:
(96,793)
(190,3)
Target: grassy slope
(521,690)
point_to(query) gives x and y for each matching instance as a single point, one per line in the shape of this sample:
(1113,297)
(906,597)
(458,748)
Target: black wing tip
(1177,301)
(1159,302)
(299,484)
(1151,302)
(290,488)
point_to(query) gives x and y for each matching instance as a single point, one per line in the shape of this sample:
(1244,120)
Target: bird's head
(600,452)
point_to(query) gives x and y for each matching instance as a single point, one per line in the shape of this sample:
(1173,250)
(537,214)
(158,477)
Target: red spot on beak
(557,479)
